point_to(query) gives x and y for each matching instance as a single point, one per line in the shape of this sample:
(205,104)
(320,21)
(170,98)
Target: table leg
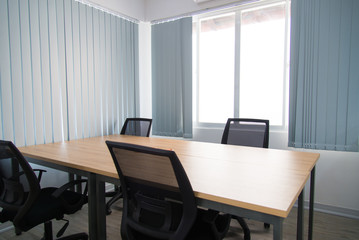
(96,208)
(311,204)
(72,178)
(278,229)
(300,216)
(101,210)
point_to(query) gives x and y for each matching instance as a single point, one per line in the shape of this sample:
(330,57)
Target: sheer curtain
(172,78)
(67,71)
(324,75)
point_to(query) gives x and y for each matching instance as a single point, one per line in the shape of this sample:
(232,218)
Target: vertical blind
(324,75)
(172,78)
(67,71)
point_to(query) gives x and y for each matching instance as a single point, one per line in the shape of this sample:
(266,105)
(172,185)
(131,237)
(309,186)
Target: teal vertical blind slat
(2,29)
(96,67)
(90,76)
(62,71)
(6,92)
(353,86)
(36,71)
(82,68)
(324,78)
(45,72)
(26,72)
(16,71)
(116,88)
(172,78)
(61,54)
(56,81)
(71,101)
(90,59)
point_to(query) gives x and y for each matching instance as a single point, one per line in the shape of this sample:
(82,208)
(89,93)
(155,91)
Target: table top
(264,180)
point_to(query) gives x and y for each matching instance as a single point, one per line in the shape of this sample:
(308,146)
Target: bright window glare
(216,64)
(262,65)
(241,67)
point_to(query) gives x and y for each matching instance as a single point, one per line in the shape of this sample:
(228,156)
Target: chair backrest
(246,132)
(19,186)
(153,181)
(137,127)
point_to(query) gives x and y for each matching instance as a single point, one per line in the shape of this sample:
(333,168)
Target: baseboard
(109,187)
(344,212)
(6,226)
(339,211)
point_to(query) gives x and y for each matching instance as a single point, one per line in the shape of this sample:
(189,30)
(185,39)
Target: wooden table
(256,183)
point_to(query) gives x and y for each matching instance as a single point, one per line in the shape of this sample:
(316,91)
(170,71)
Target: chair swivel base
(114,199)
(246,231)
(48,234)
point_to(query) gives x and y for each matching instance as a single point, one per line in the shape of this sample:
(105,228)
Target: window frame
(238,11)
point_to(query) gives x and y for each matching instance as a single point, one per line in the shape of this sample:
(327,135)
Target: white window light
(201,1)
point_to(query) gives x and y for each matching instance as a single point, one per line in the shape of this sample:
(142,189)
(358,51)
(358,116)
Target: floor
(326,227)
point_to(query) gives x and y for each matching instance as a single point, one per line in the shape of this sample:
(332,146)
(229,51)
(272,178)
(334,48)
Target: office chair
(134,127)
(158,200)
(137,127)
(246,132)
(26,204)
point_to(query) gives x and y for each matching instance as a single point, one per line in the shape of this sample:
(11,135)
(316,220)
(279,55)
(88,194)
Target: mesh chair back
(152,181)
(19,185)
(137,127)
(246,132)
(146,167)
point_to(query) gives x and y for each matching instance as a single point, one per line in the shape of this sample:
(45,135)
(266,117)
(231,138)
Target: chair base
(246,231)
(77,236)
(48,234)
(114,199)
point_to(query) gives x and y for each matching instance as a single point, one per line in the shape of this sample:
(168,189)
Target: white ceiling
(150,10)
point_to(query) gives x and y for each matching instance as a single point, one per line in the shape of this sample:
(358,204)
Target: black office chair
(158,200)
(134,127)
(26,204)
(246,132)
(137,127)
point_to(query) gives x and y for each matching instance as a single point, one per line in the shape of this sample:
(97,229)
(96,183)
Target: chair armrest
(18,174)
(68,185)
(67,196)
(40,173)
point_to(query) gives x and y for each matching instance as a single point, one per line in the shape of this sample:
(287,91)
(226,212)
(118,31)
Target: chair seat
(45,208)
(209,224)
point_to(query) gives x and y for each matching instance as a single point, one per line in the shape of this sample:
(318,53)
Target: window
(241,64)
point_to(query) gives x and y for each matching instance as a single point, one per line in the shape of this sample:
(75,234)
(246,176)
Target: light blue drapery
(67,71)
(172,78)
(324,75)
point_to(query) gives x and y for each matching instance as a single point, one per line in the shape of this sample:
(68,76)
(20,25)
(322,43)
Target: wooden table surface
(264,180)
